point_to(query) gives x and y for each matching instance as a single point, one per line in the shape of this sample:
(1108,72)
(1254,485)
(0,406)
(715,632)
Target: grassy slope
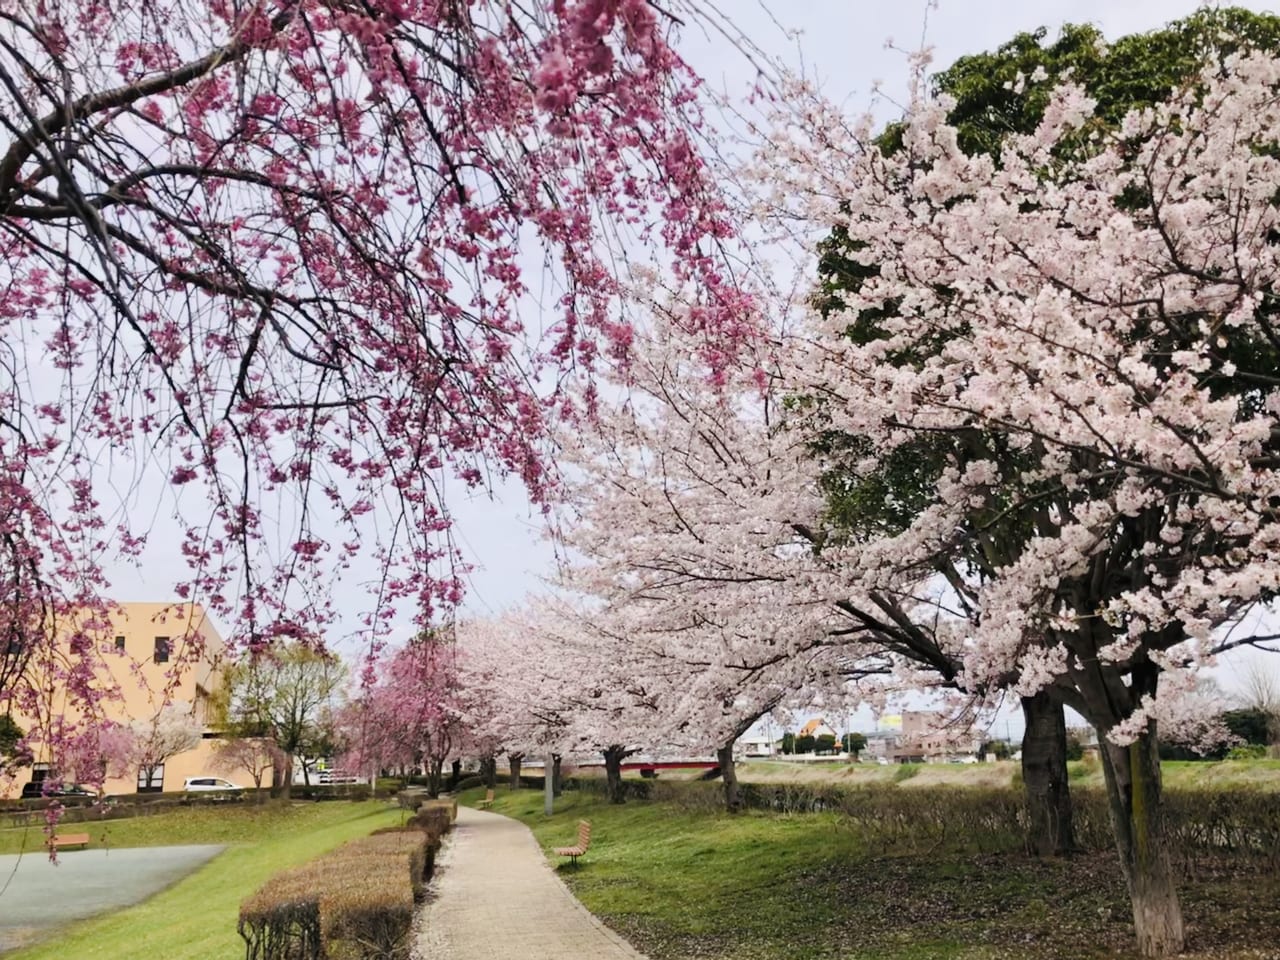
(682,885)
(196,918)
(1263,774)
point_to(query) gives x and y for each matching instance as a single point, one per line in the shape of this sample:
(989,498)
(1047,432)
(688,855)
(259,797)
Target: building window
(120,644)
(162,649)
(155,784)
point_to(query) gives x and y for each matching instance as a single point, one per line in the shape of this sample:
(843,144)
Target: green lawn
(196,918)
(682,884)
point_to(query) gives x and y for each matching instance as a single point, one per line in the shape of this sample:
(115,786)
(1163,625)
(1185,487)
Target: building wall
(142,680)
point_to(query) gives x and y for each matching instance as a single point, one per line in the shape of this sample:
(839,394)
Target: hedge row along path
(493,884)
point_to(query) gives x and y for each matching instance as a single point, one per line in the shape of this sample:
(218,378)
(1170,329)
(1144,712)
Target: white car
(210,785)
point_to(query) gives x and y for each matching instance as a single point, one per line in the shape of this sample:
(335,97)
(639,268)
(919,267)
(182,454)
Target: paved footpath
(496,898)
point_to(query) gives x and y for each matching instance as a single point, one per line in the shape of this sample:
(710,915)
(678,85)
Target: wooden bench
(584,841)
(487,802)
(70,840)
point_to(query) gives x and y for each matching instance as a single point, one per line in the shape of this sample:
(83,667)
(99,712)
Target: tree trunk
(455,774)
(1044,777)
(1137,819)
(613,774)
(435,776)
(729,774)
(286,776)
(513,761)
(489,770)
(556,786)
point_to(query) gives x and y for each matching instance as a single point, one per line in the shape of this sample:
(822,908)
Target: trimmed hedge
(354,903)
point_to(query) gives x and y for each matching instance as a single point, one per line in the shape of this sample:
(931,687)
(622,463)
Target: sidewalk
(495,897)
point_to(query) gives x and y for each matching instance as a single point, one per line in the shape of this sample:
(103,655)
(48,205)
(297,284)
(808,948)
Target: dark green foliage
(1250,725)
(788,743)
(1134,71)
(805,744)
(10,734)
(1075,744)
(996,748)
(853,743)
(825,743)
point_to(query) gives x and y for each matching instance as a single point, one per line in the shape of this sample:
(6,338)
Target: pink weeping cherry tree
(411,715)
(266,275)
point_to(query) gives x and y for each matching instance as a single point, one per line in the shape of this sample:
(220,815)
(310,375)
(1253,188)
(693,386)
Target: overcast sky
(842,44)
(845,46)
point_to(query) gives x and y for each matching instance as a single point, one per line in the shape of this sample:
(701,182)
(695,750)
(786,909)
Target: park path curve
(495,897)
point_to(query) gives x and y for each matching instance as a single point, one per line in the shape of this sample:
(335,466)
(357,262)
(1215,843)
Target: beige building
(152,657)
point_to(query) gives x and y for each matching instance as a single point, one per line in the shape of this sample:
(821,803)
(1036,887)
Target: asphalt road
(36,895)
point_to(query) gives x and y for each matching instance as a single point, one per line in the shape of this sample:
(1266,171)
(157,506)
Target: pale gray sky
(842,43)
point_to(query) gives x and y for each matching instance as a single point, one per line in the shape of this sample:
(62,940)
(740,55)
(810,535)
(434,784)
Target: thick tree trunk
(613,774)
(556,786)
(455,774)
(513,763)
(1044,777)
(489,770)
(435,776)
(729,774)
(1137,819)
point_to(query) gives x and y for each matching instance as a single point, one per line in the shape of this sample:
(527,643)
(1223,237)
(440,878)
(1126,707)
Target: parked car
(35,791)
(210,785)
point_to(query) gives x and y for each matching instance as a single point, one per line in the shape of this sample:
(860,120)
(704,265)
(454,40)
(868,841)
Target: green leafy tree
(286,696)
(1252,725)
(806,744)
(826,743)
(997,748)
(788,743)
(1075,744)
(853,744)
(10,736)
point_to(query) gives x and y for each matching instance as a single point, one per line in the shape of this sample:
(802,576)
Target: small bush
(369,920)
(469,783)
(354,903)
(1247,751)
(282,920)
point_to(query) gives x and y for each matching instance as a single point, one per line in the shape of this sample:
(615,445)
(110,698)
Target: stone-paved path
(496,898)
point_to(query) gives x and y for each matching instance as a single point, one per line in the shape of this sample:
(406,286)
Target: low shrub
(282,920)
(441,803)
(369,920)
(469,783)
(1241,823)
(435,821)
(354,903)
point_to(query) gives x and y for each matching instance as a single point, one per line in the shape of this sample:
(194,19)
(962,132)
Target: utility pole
(548,788)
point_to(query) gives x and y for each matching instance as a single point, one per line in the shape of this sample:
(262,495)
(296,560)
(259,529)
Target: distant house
(928,737)
(818,727)
(758,746)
